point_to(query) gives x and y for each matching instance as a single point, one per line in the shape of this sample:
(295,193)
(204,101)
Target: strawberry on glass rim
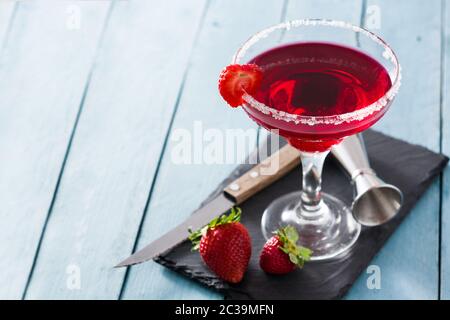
(237,79)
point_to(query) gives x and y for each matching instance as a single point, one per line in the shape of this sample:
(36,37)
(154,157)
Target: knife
(251,182)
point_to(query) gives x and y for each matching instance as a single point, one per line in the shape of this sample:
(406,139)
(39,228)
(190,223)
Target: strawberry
(281,254)
(225,246)
(237,79)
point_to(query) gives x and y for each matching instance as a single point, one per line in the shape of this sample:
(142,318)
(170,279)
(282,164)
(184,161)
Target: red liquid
(318,79)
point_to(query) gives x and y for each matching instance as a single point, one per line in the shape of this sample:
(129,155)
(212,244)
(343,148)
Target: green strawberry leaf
(305,253)
(291,234)
(298,255)
(294,259)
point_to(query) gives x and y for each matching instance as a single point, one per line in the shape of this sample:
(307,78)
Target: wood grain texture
(116,148)
(6,16)
(180,188)
(43,71)
(409,260)
(445,136)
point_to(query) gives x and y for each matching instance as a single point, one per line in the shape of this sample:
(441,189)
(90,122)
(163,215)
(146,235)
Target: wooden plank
(445,136)
(409,260)
(43,73)
(116,148)
(180,188)
(6,16)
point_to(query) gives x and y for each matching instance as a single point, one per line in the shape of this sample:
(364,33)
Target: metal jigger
(375,202)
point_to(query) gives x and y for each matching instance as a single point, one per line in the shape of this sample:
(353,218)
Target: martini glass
(323,80)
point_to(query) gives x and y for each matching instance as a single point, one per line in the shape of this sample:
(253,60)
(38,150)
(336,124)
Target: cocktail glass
(324,223)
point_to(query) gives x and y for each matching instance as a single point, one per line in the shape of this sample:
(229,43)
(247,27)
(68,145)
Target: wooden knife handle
(263,174)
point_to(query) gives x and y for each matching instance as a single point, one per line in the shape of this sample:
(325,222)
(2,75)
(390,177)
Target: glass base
(328,229)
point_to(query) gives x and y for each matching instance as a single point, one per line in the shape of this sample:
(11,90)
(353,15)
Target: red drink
(318,86)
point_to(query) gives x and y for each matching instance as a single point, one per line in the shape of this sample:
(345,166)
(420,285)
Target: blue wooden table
(90,94)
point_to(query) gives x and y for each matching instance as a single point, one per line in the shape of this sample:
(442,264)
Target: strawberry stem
(298,255)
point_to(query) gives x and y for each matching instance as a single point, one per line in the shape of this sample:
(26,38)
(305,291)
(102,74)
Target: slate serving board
(409,167)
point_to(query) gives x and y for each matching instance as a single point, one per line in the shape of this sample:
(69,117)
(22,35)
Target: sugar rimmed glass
(325,224)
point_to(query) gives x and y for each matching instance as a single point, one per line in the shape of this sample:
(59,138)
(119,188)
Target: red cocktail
(317,79)
(314,82)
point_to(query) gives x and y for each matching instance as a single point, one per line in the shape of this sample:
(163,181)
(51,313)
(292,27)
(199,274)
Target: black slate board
(409,167)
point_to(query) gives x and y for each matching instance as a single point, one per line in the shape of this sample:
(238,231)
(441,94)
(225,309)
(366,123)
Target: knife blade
(198,219)
(251,182)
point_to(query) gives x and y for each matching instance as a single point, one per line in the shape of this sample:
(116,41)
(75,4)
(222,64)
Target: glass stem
(312,164)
